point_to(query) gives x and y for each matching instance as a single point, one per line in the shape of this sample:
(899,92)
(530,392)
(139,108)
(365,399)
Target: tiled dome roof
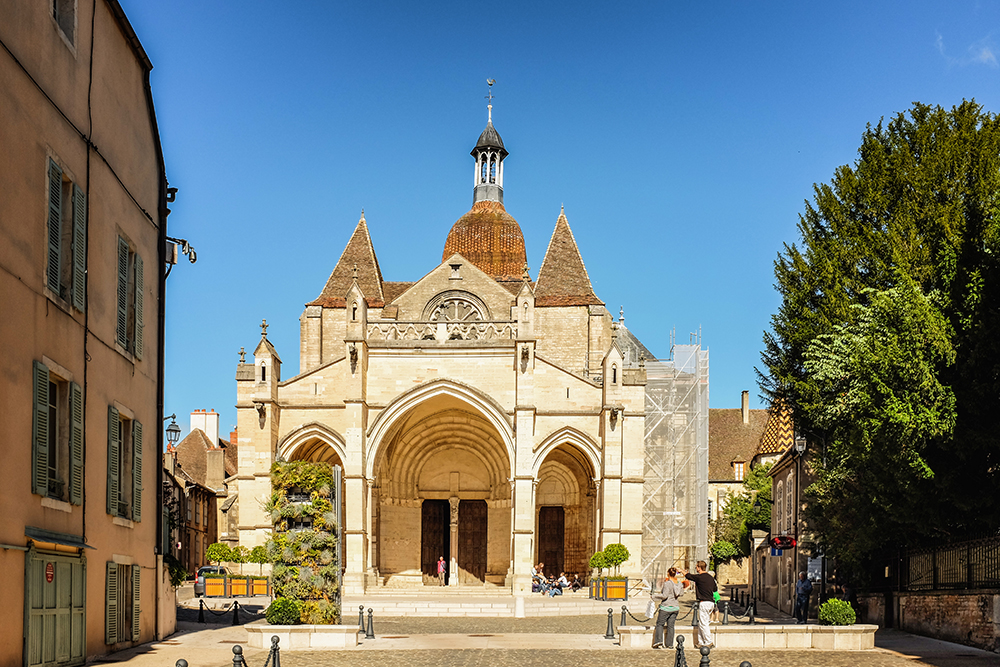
(489,238)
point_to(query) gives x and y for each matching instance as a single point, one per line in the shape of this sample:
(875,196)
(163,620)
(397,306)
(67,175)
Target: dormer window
(738,470)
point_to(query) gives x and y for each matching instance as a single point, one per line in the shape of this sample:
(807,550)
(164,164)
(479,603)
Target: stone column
(453,569)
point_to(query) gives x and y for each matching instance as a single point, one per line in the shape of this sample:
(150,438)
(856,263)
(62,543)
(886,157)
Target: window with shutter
(136,471)
(131,290)
(136,602)
(53,269)
(79,249)
(66,259)
(114,456)
(40,431)
(56,433)
(111,604)
(76,445)
(122,328)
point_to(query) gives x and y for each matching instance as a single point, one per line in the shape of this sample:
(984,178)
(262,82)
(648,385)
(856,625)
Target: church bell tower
(489,153)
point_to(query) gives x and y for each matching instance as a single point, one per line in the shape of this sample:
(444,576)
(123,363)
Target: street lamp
(173,430)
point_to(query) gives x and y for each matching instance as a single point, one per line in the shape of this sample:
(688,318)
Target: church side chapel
(477,414)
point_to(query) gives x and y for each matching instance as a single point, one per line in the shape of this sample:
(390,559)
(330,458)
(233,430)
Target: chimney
(745,407)
(232,438)
(208,422)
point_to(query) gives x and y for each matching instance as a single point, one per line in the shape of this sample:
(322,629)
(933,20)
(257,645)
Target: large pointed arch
(571,436)
(292,446)
(479,402)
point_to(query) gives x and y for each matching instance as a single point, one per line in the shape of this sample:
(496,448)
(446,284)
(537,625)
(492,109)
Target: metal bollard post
(370,632)
(274,658)
(236,612)
(680,661)
(238,656)
(751,610)
(725,613)
(610,634)
(694,614)
(181,663)
(361,618)
(745,663)
(201,611)
(705,660)
(624,611)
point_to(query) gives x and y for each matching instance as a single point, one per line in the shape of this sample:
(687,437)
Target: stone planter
(300,637)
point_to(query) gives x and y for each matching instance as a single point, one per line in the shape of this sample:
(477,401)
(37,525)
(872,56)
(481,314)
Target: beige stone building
(477,413)
(82,234)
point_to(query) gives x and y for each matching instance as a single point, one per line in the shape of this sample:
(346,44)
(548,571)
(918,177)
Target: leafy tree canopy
(739,516)
(887,341)
(218,552)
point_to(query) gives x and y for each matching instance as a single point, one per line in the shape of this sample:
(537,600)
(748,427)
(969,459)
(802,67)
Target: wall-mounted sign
(50,572)
(782,542)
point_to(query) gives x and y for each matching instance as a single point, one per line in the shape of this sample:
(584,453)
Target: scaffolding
(675,487)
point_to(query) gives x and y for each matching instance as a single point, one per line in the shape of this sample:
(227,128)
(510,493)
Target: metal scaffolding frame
(675,487)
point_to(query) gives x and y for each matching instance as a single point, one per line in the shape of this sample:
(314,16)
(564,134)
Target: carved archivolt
(456,306)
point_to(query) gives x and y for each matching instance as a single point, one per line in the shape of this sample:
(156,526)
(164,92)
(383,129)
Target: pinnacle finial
(526,276)
(263,329)
(362,212)
(243,356)
(562,210)
(621,315)
(355,272)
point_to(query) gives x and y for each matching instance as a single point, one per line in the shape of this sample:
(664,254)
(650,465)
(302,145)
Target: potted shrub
(615,587)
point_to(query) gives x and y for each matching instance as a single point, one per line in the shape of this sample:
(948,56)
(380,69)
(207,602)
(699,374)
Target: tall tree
(887,340)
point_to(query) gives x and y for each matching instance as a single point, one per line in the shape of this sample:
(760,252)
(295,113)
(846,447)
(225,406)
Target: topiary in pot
(283,611)
(836,612)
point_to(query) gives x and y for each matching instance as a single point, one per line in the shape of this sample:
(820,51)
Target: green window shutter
(136,471)
(114,453)
(40,431)
(122,334)
(138,306)
(79,248)
(53,271)
(75,444)
(111,604)
(136,601)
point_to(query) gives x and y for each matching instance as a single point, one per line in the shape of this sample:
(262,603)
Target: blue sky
(681,137)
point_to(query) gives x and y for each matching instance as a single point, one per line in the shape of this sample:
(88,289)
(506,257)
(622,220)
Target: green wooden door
(56,609)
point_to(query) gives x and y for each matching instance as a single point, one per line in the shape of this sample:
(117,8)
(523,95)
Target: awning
(52,537)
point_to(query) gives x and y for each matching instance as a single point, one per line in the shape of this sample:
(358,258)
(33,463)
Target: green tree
(598,562)
(239,555)
(748,510)
(886,344)
(614,555)
(258,555)
(218,553)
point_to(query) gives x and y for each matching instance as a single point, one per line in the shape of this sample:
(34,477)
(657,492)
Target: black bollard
(705,660)
(694,614)
(751,610)
(745,663)
(725,613)
(610,634)
(236,612)
(743,598)
(181,663)
(624,611)
(274,658)
(680,661)
(201,611)
(238,656)
(370,632)
(361,618)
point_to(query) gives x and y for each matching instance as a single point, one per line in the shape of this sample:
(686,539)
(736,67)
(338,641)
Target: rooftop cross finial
(263,328)
(243,356)
(621,314)
(489,96)
(526,276)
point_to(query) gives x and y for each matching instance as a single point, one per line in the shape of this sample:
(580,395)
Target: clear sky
(681,137)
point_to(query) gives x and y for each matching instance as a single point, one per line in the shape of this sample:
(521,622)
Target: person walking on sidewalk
(705,586)
(668,608)
(803,589)
(442,569)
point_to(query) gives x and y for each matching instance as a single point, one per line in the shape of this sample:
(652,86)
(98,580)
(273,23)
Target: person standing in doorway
(705,586)
(803,589)
(442,570)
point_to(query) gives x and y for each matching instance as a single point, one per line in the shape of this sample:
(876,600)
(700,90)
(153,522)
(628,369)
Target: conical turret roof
(563,279)
(490,138)
(360,255)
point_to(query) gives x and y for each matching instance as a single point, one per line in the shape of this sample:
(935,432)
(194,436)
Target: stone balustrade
(442,331)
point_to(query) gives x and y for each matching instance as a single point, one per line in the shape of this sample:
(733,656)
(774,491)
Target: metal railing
(971,564)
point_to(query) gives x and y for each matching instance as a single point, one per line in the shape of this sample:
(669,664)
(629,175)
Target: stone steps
(476,605)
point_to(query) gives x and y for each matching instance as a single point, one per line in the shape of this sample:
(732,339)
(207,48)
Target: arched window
(789,501)
(779,508)
(263,372)
(493,170)
(482,175)
(354,312)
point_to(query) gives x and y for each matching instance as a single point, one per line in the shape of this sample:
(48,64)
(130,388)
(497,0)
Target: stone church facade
(477,414)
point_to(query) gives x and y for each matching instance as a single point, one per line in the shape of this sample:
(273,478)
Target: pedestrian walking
(705,587)
(803,589)
(668,608)
(442,570)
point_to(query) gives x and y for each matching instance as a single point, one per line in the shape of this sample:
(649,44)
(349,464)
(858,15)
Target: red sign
(782,542)
(50,572)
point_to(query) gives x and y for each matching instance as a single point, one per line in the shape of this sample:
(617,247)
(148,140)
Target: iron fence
(971,564)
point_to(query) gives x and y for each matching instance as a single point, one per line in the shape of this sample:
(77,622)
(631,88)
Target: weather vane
(490,82)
